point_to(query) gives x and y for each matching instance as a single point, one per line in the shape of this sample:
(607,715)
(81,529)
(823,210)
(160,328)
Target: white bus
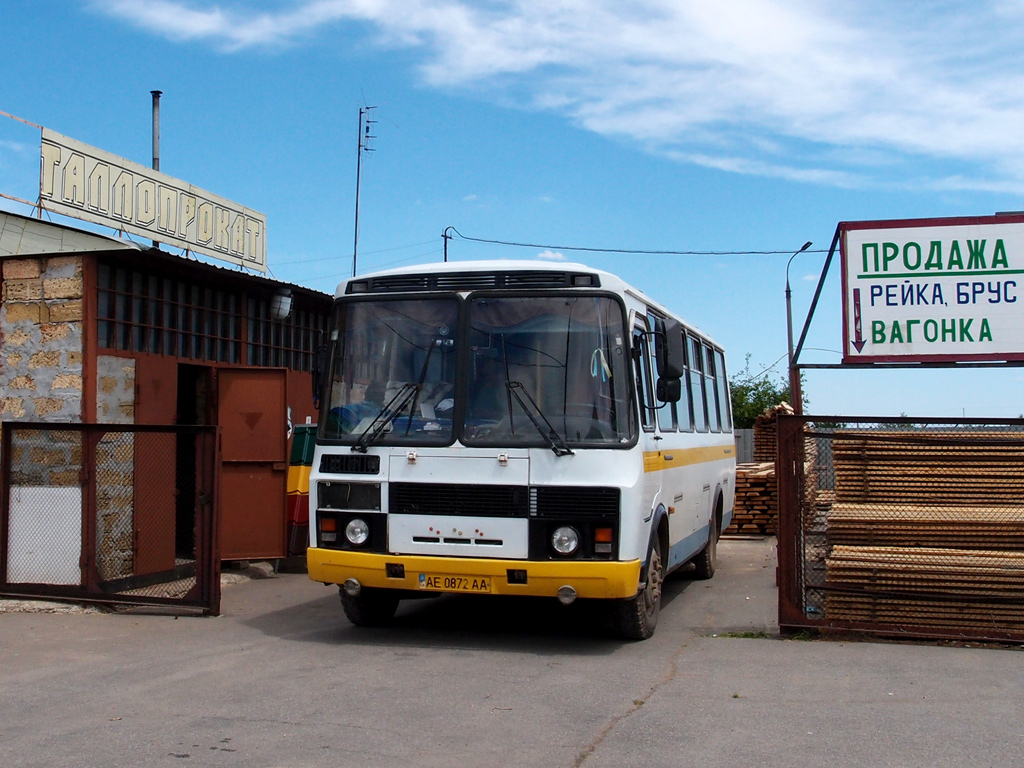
(516,428)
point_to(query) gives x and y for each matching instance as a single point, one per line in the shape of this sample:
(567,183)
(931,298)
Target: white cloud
(551,256)
(18,147)
(469,198)
(819,91)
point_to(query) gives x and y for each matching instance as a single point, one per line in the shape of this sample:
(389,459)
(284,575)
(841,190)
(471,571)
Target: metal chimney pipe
(156,129)
(156,138)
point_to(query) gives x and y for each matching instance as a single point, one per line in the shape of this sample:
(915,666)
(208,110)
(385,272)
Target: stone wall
(41,331)
(50,458)
(115,390)
(115,505)
(115,467)
(41,380)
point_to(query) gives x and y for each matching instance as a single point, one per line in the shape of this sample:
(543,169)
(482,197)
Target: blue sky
(673,125)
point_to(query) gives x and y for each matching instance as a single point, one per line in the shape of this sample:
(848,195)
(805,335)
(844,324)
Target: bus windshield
(547,363)
(393,372)
(539,371)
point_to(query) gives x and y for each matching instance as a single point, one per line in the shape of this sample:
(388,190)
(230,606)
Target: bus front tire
(636,618)
(370,608)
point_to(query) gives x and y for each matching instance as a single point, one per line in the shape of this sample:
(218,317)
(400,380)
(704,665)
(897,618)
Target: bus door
(649,438)
(674,464)
(701,483)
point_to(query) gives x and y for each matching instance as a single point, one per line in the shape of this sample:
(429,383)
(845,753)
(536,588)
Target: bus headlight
(357,532)
(565,540)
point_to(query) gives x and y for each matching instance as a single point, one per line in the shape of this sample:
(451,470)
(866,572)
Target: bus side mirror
(669,390)
(668,349)
(319,364)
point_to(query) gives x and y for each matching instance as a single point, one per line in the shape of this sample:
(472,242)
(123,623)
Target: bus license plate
(438,583)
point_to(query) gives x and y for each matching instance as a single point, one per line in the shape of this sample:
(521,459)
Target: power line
(364,253)
(763,371)
(636,251)
(432,252)
(334,276)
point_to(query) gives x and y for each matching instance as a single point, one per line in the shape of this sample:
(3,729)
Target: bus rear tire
(370,608)
(706,562)
(637,617)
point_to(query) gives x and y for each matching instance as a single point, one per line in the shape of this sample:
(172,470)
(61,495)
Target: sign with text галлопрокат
(93,185)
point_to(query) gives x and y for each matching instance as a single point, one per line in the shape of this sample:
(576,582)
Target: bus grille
(503,501)
(450,499)
(548,501)
(469,281)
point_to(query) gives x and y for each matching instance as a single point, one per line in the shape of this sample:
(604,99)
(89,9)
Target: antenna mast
(363,146)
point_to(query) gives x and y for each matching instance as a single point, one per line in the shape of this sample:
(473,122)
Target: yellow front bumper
(590,579)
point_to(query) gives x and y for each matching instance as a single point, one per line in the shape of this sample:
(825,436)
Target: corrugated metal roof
(25,236)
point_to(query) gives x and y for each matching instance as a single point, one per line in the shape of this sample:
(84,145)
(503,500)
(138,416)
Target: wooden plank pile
(927,530)
(766,434)
(982,528)
(926,586)
(756,510)
(915,468)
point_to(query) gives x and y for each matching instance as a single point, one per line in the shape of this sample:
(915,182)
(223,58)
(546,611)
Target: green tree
(753,393)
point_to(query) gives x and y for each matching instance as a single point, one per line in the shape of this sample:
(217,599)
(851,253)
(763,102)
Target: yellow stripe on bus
(655,461)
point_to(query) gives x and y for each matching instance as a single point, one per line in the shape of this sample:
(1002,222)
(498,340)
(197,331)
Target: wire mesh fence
(110,513)
(902,527)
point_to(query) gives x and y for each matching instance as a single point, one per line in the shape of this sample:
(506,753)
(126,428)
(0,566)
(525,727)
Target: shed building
(97,329)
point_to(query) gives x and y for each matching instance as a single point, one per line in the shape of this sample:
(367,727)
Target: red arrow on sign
(858,337)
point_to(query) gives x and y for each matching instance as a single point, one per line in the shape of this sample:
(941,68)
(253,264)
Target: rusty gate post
(90,436)
(789,432)
(5,498)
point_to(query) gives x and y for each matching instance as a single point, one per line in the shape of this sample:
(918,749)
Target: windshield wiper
(423,377)
(387,414)
(555,441)
(512,387)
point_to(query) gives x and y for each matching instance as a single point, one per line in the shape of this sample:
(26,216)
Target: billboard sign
(89,184)
(933,290)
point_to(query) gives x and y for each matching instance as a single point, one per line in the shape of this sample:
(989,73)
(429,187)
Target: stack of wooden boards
(766,433)
(756,510)
(915,467)
(927,530)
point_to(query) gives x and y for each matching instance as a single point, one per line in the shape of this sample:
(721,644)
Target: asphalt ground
(282,679)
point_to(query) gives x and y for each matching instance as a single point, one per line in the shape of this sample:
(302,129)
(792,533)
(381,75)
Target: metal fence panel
(744,445)
(902,526)
(110,513)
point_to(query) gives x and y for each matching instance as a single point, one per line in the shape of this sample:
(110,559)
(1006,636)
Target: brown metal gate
(902,527)
(252,411)
(88,513)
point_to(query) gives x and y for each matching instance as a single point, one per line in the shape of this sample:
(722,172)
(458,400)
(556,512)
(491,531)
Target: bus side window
(666,416)
(712,390)
(724,403)
(700,406)
(685,409)
(642,373)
